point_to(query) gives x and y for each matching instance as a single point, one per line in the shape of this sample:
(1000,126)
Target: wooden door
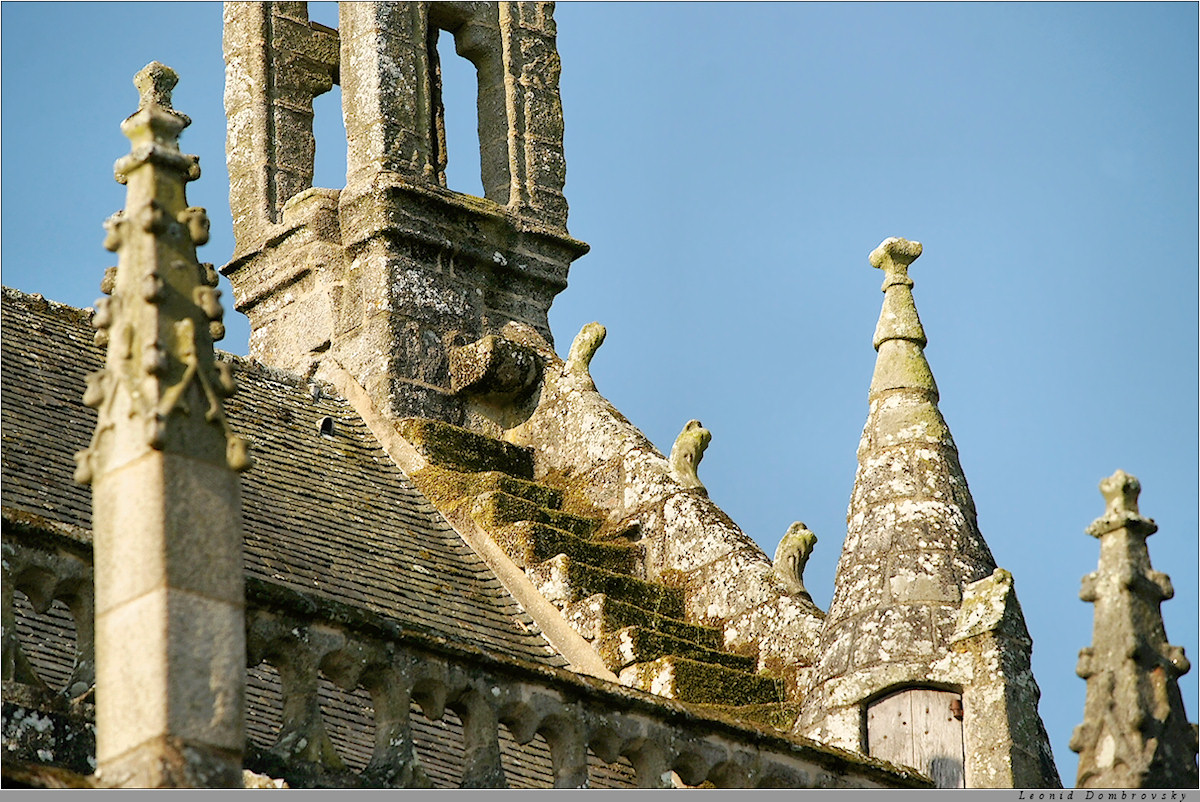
(921,728)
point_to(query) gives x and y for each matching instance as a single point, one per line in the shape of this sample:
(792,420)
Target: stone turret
(924,651)
(1135,732)
(170,630)
(387,280)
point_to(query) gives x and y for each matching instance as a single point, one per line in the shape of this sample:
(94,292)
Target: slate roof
(328,515)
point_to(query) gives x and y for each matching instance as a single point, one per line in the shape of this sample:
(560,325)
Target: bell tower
(411,289)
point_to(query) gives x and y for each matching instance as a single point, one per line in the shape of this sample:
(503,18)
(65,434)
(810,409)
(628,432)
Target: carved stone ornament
(791,557)
(687,452)
(1135,732)
(161,386)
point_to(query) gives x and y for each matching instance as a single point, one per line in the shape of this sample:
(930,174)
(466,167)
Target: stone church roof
(421,549)
(333,529)
(325,514)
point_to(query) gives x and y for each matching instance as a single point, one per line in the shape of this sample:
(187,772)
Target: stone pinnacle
(899,335)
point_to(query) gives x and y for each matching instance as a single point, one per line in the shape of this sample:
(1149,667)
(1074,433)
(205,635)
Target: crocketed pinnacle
(1135,732)
(161,388)
(912,541)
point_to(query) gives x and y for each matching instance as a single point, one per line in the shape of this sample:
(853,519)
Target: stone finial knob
(1121,493)
(154,84)
(686,454)
(583,348)
(894,255)
(791,557)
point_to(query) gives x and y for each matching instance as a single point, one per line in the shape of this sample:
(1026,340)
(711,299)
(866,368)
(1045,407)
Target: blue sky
(732,165)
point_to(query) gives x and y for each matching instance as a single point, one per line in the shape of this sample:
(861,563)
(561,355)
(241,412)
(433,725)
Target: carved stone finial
(154,130)
(902,364)
(898,320)
(1135,732)
(163,465)
(687,453)
(893,256)
(584,347)
(791,557)
(1121,493)
(154,84)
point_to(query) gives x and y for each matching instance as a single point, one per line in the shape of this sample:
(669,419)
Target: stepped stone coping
(599,615)
(528,543)
(498,508)
(703,683)
(573,580)
(640,645)
(447,487)
(779,716)
(460,449)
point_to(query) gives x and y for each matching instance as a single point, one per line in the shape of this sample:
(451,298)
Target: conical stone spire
(1135,732)
(918,600)
(912,542)
(166,510)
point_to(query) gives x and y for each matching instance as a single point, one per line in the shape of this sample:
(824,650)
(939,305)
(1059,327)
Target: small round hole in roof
(326,427)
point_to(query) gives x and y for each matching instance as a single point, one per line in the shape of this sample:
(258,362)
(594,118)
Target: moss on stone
(575,497)
(616,614)
(638,645)
(586,580)
(673,578)
(529,543)
(780,716)
(705,683)
(456,448)
(498,508)
(444,486)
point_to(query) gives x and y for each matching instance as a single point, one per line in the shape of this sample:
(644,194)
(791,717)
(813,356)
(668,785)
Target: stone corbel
(494,369)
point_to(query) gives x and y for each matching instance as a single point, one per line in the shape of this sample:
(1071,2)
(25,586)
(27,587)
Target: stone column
(170,633)
(387,95)
(537,168)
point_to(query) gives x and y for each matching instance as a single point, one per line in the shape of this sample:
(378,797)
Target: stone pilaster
(388,91)
(170,635)
(276,62)
(1135,732)
(537,169)
(913,552)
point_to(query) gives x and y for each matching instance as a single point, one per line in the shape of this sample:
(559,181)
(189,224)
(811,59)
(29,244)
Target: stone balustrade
(305,638)
(49,568)
(511,713)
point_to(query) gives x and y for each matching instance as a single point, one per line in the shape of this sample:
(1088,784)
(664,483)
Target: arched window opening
(324,12)
(439,746)
(458,136)
(329,128)
(48,641)
(329,135)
